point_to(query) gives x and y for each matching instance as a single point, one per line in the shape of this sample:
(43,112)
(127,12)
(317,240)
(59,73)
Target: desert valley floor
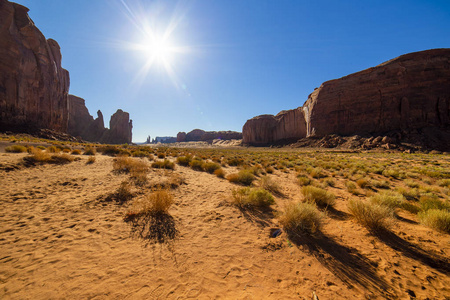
(60,238)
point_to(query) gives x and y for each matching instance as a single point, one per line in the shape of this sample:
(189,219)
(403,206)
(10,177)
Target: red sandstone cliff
(33,85)
(406,93)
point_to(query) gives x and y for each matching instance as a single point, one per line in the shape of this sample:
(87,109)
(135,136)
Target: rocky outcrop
(33,85)
(83,125)
(198,135)
(411,92)
(286,126)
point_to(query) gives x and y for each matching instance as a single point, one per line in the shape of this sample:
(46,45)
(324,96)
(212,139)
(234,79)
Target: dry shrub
(317,173)
(252,198)
(410,194)
(269,170)
(210,167)
(89,150)
(91,160)
(52,149)
(76,151)
(196,164)
(244,177)
(351,187)
(444,183)
(320,197)
(155,203)
(161,155)
(363,183)
(436,218)
(184,160)
(303,180)
(268,184)
(380,184)
(219,173)
(123,193)
(16,149)
(432,202)
(390,199)
(61,159)
(374,217)
(163,164)
(299,217)
(38,156)
(124,164)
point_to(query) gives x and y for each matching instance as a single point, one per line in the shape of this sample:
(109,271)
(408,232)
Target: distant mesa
(198,135)
(407,97)
(34,88)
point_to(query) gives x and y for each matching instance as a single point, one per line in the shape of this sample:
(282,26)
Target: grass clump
(163,164)
(16,149)
(219,173)
(320,197)
(389,199)
(269,185)
(89,151)
(430,202)
(210,167)
(252,198)
(155,203)
(124,164)
(351,187)
(244,177)
(303,180)
(436,218)
(299,217)
(374,217)
(91,160)
(196,164)
(363,183)
(184,160)
(76,152)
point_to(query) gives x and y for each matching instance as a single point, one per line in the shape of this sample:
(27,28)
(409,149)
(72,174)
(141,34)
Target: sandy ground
(58,241)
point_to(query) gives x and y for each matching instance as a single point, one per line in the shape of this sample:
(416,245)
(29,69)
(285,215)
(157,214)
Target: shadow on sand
(346,263)
(153,228)
(262,217)
(410,250)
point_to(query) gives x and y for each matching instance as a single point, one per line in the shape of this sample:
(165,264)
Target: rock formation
(407,93)
(198,135)
(83,125)
(33,85)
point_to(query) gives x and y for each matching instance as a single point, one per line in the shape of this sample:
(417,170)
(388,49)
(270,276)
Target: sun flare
(158,50)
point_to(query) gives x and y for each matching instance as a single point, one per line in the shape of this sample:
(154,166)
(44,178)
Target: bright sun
(158,50)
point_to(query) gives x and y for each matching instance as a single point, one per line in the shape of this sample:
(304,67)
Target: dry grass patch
(269,185)
(320,197)
(163,164)
(298,218)
(374,217)
(251,198)
(219,173)
(125,164)
(436,218)
(244,177)
(16,149)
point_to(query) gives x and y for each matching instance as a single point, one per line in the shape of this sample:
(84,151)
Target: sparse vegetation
(244,177)
(269,185)
(374,217)
(163,164)
(320,197)
(436,218)
(155,203)
(298,218)
(16,149)
(252,198)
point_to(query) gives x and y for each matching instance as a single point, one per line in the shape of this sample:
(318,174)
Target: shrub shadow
(346,263)
(337,214)
(153,228)
(410,250)
(262,217)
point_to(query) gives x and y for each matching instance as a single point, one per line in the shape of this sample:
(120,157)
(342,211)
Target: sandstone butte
(197,135)
(34,88)
(410,92)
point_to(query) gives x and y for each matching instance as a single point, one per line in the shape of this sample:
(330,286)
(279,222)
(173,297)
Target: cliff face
(83,125)
(197,135)
(407,93)
(33,85)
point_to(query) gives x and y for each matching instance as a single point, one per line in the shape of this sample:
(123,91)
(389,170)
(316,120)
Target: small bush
(219,173)
(252,198)
(91,160)
(165,164)
(444,183)
(139,153)
(109,150)
(123,193)
(235,162)
(363,183)
(269,185)
(244,177)
(210,167)
(373,216)
(319,196)
(184,160)
(16,149)
(299,218)
(351,187)
(62,159)
(269,170)
(389,199)
(156,203)
(76,152)
(430,202)
(317,173)
(381,184)
(196,164)
(303,181)
(436,218)
(410,194)
(411,183)
(89,151)
(124,164)
(161,155)
(52,149)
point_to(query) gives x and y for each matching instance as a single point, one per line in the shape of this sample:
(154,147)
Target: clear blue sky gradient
(240,59)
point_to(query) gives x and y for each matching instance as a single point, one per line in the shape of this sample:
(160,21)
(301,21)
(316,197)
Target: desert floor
(60,239)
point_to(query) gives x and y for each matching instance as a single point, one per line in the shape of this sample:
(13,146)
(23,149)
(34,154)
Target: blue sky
(225,61)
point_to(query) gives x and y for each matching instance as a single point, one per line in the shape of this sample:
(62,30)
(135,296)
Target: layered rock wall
(198,135)
(33,85)
(406,93)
